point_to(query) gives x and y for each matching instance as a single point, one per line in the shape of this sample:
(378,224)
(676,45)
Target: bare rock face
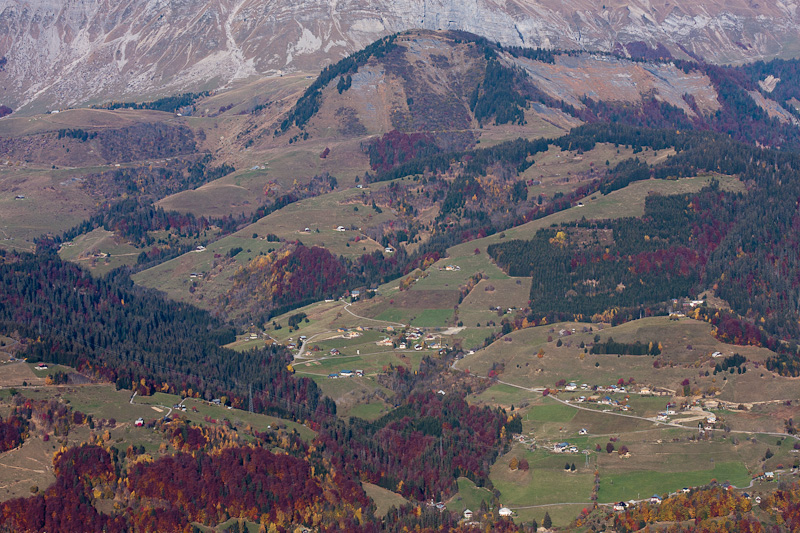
(61,53)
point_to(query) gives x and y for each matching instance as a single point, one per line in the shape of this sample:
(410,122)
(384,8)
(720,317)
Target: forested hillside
(141,341)
(744,245)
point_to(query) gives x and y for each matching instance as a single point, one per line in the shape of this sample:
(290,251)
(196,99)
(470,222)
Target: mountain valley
(448,282)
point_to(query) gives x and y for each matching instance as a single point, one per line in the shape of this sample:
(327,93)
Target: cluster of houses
(605,400)
(415,338)
(346,374)
(504,512)
(655,499)
(438,505)
(572,386)
(565,447)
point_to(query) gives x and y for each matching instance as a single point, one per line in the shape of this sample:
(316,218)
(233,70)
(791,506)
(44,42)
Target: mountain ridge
(85,52)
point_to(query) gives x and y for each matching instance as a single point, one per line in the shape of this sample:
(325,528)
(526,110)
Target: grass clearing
(348,393)
(469,496)
(384,499)
(368,411)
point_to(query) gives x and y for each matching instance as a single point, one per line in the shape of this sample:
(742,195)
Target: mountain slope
(61,55)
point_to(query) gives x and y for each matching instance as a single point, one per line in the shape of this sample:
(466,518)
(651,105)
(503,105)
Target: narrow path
(169,409)
(308,339)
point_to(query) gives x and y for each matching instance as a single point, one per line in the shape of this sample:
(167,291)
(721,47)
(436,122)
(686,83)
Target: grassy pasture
(25,467)
(384,499)
(243,190)
(16,373)
(560,170)
(85,250)
(545,483)
(420,308)
(321,215)
(469,496)
(641,484)
(524,368)
(104,401)
(504,293)
(351,393)
(370,363)
(52,203)
(440,279)
(18,126)
(560,515)
(368,411)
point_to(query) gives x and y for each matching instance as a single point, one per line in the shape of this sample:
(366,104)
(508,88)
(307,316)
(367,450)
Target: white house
(505,511)
(468,514)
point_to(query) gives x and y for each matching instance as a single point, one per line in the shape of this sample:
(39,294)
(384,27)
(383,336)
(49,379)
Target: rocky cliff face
(63,53)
